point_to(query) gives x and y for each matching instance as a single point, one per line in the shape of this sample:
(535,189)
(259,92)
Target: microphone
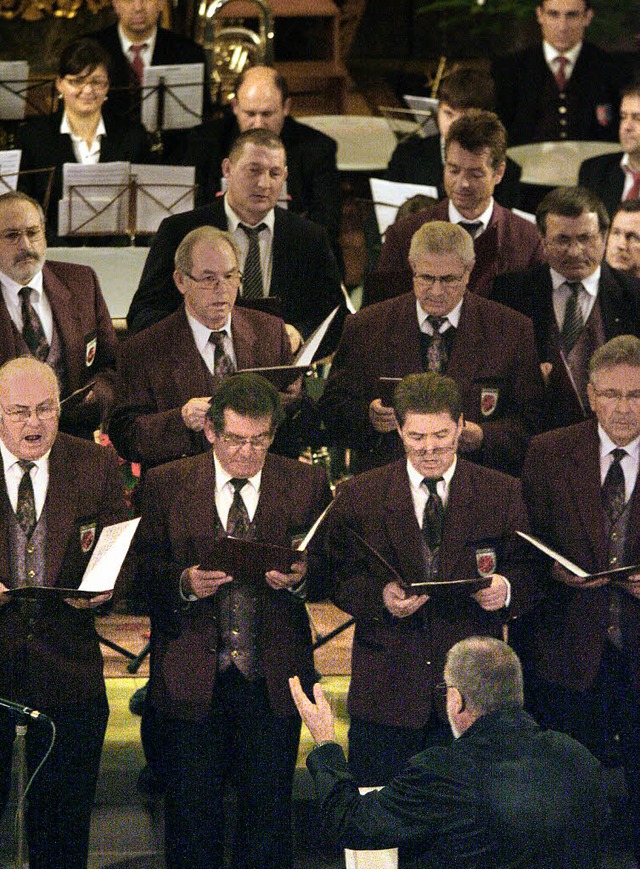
(24,710)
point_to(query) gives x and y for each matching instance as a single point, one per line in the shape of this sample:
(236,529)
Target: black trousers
(60,799)
(243,742)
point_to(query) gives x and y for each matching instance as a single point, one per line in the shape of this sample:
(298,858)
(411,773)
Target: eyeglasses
(443,687)
(44,412)
(229,279)
(564,242)
(31,233)
(445,280)
(236,442)
(615,395)
(79,82)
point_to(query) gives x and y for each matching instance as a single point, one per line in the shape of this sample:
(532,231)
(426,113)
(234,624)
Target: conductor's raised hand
(317,716)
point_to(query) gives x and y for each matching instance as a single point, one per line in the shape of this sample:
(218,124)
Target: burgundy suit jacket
(494,348)
(561,487)
(509,244)
(160,369)
(49,652)
(80,314)
(177,531)
(397,662)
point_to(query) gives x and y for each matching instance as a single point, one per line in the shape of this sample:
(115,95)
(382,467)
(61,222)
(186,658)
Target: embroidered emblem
(489,400)
(90,351)
(87,536)
(486,561)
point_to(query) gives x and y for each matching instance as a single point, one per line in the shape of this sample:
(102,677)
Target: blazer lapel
(244,339)
(457,521)
(584,481)
(61,493)
(402,526)
(5,508)
(187,367)
(269,520)
(67,322)
(467,347)
(404,339)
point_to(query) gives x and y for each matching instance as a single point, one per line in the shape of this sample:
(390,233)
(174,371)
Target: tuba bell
(230,46)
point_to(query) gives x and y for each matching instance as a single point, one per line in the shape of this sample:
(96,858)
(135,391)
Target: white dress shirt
(86,154)
(39,301)
(586,297)
(265,242)
(551,53)
(206,349)
(13,474)
(628,463)
(484,218)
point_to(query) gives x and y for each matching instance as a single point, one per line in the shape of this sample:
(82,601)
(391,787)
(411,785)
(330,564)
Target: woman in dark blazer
(80,131)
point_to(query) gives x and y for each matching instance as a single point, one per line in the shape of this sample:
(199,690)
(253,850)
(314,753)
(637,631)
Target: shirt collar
(484,218)
(453,316)
(607,445)
(201,332)
(9,460)
(550,54)
(233,221)
(416,478)
(126,43)
(590,283)
(13,288)
(222,477)
(101,130)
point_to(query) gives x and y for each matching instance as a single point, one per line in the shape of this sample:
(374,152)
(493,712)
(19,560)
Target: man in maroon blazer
(79,341)
(166,373)
(475,152)
(486,348)
(223,650)
(432,517)
(580,485)
(50,657)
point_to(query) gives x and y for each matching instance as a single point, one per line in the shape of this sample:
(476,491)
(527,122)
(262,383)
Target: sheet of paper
(9,168)
(388,196)
(95,198)
(308,350)
(569,565)
(108,556)
(14,84)
(183,89)
(426,109)
(161,191)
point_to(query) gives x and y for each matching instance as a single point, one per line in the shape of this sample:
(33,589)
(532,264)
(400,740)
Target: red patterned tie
(137,64)
(560,75)
(634,190)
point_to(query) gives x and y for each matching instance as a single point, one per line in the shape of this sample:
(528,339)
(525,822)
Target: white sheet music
(9,168)
(108,556)
(95,198)
(182,96)
(388,196)
(421,105)
(14,81)
(161,190)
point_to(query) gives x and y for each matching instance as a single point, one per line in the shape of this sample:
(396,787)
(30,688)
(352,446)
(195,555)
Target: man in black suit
(623,241)
(262,101)
(562,88)
(296,262)
(577,302)
(135,42)
(616,177)
(419,160)
(504,793)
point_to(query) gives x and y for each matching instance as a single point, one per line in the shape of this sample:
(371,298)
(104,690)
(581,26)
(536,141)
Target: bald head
(261,99)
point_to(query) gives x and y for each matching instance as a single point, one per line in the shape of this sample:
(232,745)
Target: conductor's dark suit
(160,369)
(84,326)
(179,528)
(453,807)
(509,244)
(531,293)
(604,177)
(419,161)
(396,663)
(492,350)
(50,657)
(528,99)
(304,275)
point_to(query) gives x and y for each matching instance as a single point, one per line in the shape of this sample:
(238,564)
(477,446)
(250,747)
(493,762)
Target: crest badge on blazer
(486,561)
(489,396)
(87,536)
(90,347)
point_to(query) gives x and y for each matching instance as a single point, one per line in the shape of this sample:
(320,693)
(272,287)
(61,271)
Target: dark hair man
(503,793)
(623,240)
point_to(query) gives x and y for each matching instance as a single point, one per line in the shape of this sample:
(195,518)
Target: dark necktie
(238,521)
(613,491)
(634,190)
(222,362)
(32,330)
(471,227)
(26,506)
(252,285)
(437,356)
(573,323)
(433,516)
(560,74)
(137,64)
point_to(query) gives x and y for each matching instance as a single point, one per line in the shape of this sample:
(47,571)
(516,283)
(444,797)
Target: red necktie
(560,75)
(634,190)
(137,64)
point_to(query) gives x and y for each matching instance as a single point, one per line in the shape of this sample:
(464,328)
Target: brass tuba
(230,46)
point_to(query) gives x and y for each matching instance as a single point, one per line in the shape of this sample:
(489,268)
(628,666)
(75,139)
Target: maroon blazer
(49,653)
(561,488)
(160,369)
(81,316)
(177,531)
(509,244)
(494,348)
(397,662)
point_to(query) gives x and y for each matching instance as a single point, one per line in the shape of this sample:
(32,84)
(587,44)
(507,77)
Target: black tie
(471,227)
(437,356)
(222,362)
(433,516)
(32,330)
(572,324)
(26,506)
(613,490)
(252,285)
(238,521)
